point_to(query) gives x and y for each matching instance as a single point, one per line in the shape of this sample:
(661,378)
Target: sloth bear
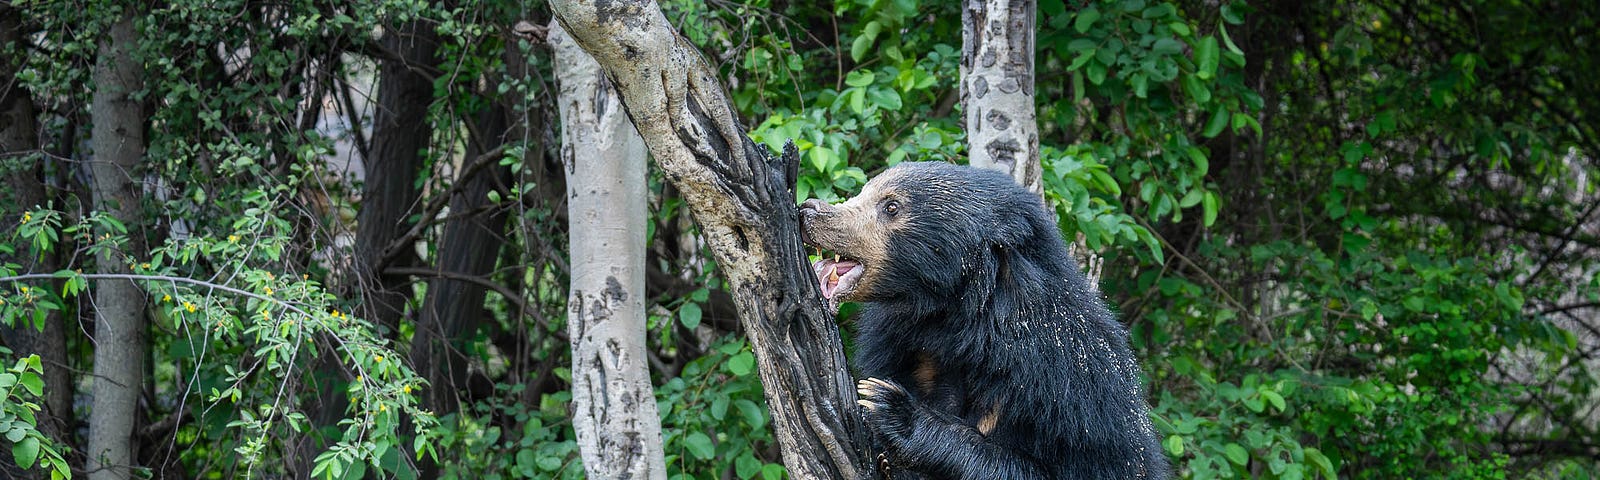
(986,352)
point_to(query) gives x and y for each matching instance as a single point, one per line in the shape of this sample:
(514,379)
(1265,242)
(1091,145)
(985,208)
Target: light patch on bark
(120,322)
(614,408)
(997,88)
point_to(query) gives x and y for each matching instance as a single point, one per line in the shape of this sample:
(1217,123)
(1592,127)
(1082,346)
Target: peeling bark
(743,199)
(997,88)
(120,323)
(613,403)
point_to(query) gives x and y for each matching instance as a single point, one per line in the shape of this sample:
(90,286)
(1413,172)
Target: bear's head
(922,231)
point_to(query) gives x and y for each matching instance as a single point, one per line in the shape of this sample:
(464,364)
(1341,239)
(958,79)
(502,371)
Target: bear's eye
(891,207)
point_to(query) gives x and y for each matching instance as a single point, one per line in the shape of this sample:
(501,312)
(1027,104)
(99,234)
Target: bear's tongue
(831,273)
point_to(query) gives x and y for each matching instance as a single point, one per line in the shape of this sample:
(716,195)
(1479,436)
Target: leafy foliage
(1350,239)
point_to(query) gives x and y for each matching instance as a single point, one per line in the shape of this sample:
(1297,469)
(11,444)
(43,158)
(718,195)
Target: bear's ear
(1016,226)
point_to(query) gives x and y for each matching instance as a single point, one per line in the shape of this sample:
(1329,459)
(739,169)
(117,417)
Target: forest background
(322,239)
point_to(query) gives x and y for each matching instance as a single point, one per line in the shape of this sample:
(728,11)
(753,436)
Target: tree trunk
(388,196)
(120,322)
(997,88)
(19,138)
(744,201)
(615,415)
(453,309)
(400,133)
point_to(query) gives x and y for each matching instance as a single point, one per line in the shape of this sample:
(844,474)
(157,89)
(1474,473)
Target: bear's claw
(887,407)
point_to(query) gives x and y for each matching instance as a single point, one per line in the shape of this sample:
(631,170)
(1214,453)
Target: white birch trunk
(613,403)
(997,88)
(120,322)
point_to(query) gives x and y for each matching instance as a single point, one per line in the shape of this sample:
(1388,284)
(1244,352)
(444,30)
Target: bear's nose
(814,207)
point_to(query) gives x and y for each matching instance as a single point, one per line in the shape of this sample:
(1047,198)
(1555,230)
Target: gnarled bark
(120,321)
(743,200)
(997,88)
(615,415)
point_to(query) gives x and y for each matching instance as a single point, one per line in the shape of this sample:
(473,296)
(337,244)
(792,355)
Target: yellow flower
(188,306)
(26,216)
(379,359)
(408,389)
(233,239)
(166,298)
(383,408)
(24,289)
(358,379)
(269,290)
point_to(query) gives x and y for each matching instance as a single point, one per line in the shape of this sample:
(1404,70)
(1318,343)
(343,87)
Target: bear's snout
(811,211)
(814,207)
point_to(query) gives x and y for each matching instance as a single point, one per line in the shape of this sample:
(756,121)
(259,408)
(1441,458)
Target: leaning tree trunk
(744,201)
(613,403)
(997,88)
(120,322)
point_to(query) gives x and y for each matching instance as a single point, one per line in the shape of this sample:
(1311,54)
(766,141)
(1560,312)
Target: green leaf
(1274,398)
(1173,444)
(26,452)
(699,445)
(1166,46)
(1097,73)
(746,466)
(527,461)
(1415,304)
(1228,41)
(1190,198)
(33,383)
(1206,57)
(1324,465)
(742,364)
(1086,19)
(1209,204)
(1236,454)
(719,407)
(752,414)
(689,315)
(1197,90)
(772,471)
(1106,182)
(1219,121)
(859,46)
(885,98)
(859,78)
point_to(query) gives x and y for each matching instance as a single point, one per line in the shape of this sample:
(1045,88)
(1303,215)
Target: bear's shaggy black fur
(987,354)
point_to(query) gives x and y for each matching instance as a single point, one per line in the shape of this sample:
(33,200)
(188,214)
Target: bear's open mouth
(836,275)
